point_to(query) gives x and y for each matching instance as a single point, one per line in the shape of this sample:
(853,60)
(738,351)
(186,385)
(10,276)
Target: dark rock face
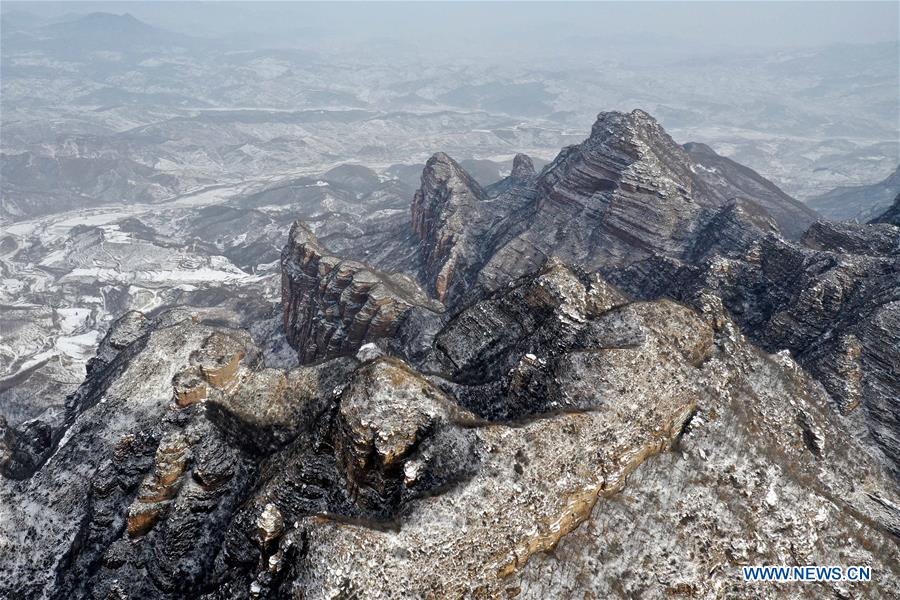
(523,169)
(443,453)
(626,193)
(731,230)
(876,239)
(24,449)
(200,472)
(446,218)
(832,302)
(333,306)
(397,435)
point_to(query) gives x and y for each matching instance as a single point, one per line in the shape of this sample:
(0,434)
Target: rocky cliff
(831,301)
(333,306)
(627,192)
(547,409)
(446,217)
(611,379)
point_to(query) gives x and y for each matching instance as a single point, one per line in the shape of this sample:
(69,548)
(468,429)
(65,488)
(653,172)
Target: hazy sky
(735,24)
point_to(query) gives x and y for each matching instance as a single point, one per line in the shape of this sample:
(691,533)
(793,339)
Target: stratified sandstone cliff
(447,218)
(189,469)
(612,379)
(333,306)
(626,193)
(833,301)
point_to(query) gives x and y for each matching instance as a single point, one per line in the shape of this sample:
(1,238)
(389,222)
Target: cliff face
(333,306)
(189,469)
(446,217)
(749,393)
(831,301)
(626,193)
(522,169)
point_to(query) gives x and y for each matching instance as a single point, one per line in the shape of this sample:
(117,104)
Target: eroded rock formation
(832,301)
(612,379)
(446,217)
(333,306)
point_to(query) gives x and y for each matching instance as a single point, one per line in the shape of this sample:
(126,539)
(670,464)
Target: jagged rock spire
(444,218)
(523,168)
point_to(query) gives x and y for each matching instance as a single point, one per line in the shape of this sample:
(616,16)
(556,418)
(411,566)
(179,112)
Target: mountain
(858,203)
(102,23)
(100,31)
(737,181)
(617,377)
(830,301)
(891,215)
(36,185)
(625,193)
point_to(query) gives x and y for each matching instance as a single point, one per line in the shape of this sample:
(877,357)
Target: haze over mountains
(858,203)
(809,118)
(367,300)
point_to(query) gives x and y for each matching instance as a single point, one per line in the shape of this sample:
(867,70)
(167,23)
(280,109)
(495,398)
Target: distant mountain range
(97,31)
(858,203)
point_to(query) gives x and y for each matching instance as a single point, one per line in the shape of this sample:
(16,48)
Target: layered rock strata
(333,306)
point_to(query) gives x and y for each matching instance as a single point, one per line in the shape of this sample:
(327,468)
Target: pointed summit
(445,218)
(523,168)
(446,188)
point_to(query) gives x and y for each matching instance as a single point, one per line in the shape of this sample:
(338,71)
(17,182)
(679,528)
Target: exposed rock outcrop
(833,305)
(876,239)
(626,193)
(445,453)
(699,383)
(522,169)
(446,217)
(333,306)
(627,190)
(398,434)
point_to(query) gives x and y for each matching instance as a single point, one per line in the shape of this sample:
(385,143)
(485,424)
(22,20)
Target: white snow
(70,319)
(79,347)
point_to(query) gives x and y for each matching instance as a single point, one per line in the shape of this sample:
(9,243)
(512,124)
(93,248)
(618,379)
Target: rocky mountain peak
(632,320)
(636,137)
(445,217)
(442,172)
(523,168)
(333,306)
(626,153)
